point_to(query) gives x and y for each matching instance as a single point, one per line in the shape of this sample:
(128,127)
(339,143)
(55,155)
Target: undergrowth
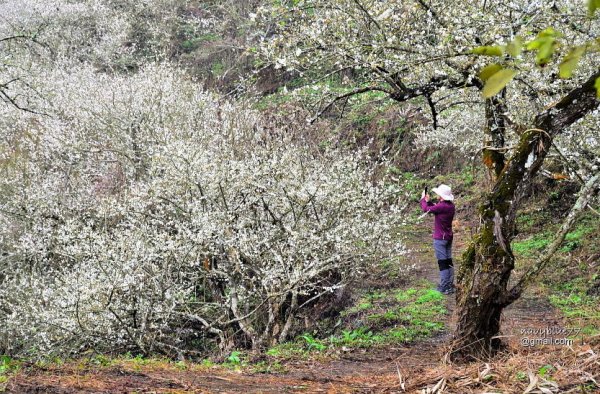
(378,318)
(573,273)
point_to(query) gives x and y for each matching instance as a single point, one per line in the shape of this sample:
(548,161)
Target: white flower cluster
(141,213)
(107,33)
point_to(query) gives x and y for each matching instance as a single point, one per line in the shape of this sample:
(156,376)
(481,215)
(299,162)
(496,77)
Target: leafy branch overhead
(496,76)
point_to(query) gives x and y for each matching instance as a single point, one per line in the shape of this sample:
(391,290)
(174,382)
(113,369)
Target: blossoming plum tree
(146,214)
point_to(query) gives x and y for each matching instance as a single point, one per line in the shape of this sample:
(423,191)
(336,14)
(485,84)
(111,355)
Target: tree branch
(366,12)
(15,37)
(432,12)
(535,143)
(433,85)
(12,101)
(496,123)
(434,113)
(349,94)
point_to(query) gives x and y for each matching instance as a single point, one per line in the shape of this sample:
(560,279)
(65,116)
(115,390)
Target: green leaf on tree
(545,52)
(514,47)
(489,70)
(488,50)
(549,32)
(498,81)
(570,62)
(541,38)
(544,45)
(597,86)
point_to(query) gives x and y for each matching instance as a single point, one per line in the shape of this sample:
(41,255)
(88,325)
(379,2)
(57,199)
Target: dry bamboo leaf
(584,353)
(532,382)
(486,376)
(551,383)
(590,359)
(439,386)
(465,382)
(590,378)
(485,372)
(401,378)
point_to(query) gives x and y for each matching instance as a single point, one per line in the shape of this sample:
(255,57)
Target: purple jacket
(444,214)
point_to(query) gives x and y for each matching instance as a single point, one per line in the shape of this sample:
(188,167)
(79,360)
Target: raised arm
(426,206)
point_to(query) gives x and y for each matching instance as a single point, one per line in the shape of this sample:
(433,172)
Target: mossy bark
(487,264)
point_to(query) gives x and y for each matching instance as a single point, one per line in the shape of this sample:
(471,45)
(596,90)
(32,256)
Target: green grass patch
(526,222)
(365,303)
(268,367)
(303,347)
(411,184)
(405,295)
(378,318)
(217,68)
(530,223)
(580,310)
(460,180)
(195,42)
(575,238)
(273,101)
(234,359)
(361,337)
(531,246)
(395,316)
(7,368)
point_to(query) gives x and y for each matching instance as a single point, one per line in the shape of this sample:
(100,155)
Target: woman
(442,234)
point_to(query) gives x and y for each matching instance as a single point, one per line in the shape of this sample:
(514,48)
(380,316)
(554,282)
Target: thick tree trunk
(488,262)
(482,282)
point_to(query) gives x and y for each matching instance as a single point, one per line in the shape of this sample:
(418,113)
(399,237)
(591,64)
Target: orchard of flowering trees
(138,212)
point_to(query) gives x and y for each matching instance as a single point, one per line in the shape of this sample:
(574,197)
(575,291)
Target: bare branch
(434,112)
(432,12)
(370,17)
(12,101)
(433,85)
(348,94)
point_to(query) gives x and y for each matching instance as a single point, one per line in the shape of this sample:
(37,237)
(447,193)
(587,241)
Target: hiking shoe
(449,291)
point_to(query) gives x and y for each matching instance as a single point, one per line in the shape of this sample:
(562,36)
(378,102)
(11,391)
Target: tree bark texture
(495,127)
(487,264)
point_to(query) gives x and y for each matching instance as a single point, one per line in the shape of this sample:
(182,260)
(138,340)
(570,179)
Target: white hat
(444,191)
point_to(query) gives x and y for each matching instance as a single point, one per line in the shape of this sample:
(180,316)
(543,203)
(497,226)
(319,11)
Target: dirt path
(358,371)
